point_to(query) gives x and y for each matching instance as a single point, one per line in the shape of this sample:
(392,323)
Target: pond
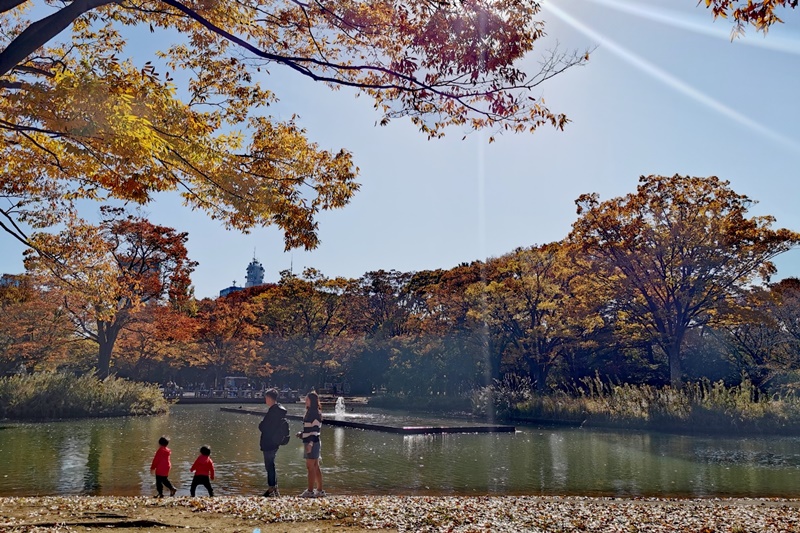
(112,457)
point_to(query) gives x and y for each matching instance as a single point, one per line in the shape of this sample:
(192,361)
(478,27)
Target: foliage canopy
(671,255)
(103,273)
(80,120)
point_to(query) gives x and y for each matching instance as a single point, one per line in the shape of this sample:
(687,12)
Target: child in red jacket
(203,469)
(160,467)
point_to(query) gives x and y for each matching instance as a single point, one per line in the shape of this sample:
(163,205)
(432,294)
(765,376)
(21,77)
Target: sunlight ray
(670,80)
(704,27)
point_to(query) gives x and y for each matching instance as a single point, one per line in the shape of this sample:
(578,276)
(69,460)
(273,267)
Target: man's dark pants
(269,464)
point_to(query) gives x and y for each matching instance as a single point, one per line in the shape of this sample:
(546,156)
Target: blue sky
(665,92)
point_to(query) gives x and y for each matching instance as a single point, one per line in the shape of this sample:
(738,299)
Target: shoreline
(359,514)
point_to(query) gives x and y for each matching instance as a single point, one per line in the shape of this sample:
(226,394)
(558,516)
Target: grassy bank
(697,407)
(51,395)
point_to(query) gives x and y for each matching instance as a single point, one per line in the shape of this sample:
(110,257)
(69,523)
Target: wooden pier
(402,430)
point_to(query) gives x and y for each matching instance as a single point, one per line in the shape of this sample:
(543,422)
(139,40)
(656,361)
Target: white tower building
(255,274)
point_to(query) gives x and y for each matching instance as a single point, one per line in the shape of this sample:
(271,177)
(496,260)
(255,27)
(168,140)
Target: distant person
(312,446)
(274,432)
(160,467)
(203,469)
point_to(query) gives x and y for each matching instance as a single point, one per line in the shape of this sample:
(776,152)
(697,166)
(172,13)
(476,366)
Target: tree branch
(13,229)
(8,5)
(298,64)
(33,70)
(39,33)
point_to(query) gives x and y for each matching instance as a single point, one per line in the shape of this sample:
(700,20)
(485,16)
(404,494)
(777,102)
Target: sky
(665,92)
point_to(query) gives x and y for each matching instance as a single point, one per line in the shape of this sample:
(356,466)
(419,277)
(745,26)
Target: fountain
(339,408)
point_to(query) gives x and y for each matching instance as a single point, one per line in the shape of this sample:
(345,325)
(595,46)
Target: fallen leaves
(450,513)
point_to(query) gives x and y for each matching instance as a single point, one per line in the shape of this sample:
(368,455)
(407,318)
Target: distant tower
(255,273)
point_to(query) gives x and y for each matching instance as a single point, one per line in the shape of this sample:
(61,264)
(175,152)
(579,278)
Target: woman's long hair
(315,409)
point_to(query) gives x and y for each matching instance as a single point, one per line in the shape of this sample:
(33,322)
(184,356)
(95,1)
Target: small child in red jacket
(160,467)
(203,469)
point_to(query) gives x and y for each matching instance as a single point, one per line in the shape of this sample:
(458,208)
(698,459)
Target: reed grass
(54,395)
(701,407)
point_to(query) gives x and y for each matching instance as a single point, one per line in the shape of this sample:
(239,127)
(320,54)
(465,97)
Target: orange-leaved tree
(82,119)
(228,337)
(765,334)
(671,254)
(107,271)
(35,332)
(306,325)
(154,342)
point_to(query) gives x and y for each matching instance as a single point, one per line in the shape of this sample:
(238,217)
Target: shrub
(514,397)
(51,395)
(702,406)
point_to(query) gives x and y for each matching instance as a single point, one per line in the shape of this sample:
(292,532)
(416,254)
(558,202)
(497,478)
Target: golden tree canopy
(80,119)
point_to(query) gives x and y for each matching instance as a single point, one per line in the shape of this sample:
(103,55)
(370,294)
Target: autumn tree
(305,326)
(442,293)
(526,302)
(106,272)
(35,331)
(89,116)
(384,303)
(447,351)
(228,338)
(764,335)
(377,312)
(154,342)
(784,309)
(675,251)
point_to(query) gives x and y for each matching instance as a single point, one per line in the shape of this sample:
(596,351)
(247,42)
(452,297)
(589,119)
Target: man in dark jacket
(272,429)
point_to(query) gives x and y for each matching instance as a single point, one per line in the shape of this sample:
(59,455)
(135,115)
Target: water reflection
(112,456)
(73,464)
(338,442)
(559,464)
(91,474)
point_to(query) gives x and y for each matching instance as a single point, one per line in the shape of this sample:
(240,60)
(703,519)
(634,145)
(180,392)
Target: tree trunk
(541,378)
(106,337)
(674,357)
(538,372)
(495,360)
(104,359)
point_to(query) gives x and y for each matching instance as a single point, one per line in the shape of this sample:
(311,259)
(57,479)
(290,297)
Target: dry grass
(51,395)
(706,406)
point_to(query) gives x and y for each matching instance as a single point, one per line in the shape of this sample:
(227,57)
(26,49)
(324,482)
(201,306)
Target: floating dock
(402,430)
